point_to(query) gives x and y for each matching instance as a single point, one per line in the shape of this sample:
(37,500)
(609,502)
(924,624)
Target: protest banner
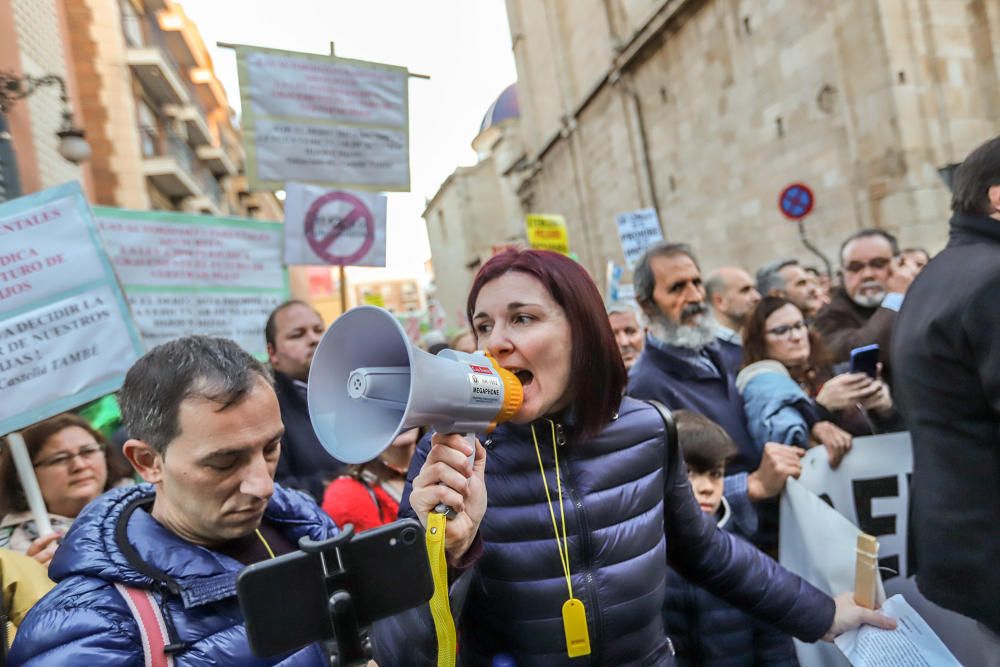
(870,489)
(66,337)
(547,232)
(320,119)
(338,227)
(195,274)
(637,230)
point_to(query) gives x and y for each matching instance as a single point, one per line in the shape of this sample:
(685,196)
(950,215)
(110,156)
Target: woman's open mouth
(525,377)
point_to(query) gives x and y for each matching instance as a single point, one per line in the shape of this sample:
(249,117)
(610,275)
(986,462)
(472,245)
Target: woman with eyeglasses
(72,468)
(791,393)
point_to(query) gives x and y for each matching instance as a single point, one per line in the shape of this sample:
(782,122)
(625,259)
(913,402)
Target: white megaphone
(368,383)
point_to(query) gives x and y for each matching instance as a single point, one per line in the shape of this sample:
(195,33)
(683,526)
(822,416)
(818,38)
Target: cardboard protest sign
(195,274)
(870,489)
(637,230)
(320,119)
(66,336)
(336,227)
(547,232)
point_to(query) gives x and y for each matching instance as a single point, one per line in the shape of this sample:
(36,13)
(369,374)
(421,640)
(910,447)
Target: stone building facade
(706,109)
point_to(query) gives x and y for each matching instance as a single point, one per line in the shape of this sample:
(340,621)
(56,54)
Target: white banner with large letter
(336,227)
(870,489)
(66,336)
(325,120)
(196,274)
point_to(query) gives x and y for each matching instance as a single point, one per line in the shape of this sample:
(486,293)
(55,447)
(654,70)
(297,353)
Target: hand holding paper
(911,644)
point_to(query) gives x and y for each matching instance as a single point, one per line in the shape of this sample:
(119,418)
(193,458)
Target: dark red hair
(597,374)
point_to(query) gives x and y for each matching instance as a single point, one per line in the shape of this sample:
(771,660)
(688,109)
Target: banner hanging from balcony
(196,274)
(66,336)
(323,120)
(336,227)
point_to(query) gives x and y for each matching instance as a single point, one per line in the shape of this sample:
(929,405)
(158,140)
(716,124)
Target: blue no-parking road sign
(796,201)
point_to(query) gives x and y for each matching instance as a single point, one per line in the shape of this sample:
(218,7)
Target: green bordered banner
(323,120)
(195,274)
(66,336)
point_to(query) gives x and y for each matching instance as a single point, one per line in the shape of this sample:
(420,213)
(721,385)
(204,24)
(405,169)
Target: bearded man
(682,365)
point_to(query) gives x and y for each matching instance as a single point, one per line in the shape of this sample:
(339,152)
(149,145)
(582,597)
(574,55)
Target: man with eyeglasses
(862,311)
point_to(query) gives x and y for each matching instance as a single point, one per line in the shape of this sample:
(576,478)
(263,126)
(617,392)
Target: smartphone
(286,600)
(865,360)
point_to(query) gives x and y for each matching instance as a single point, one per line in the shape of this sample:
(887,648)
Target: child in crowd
(704,629)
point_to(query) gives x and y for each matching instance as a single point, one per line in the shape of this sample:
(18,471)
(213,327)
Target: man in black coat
(293,331)
(946,349)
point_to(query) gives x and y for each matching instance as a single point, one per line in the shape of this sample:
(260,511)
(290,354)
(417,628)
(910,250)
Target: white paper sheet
(911,644)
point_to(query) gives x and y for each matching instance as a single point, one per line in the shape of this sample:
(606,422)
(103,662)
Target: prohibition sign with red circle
(358,211)
(796,201)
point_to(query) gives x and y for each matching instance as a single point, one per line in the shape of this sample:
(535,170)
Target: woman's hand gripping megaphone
(447,478)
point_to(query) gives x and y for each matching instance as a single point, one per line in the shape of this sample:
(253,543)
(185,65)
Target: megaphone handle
(441,507)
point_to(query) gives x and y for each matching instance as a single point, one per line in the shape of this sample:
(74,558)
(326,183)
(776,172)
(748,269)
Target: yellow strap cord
(264,542)
(444,624)
(563,544)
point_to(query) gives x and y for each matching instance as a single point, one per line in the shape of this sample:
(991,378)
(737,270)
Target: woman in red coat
(368,495)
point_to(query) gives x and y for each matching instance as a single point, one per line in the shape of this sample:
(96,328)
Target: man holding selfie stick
(862,311)
(147,574)
(948,356)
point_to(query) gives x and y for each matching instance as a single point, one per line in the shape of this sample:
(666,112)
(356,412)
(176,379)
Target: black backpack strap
(671,443)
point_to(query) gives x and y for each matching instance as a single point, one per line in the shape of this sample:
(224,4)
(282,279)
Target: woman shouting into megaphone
(569,514)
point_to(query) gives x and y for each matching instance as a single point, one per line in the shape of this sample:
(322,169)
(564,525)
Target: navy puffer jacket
(710,632)
(86,621)
(621,535)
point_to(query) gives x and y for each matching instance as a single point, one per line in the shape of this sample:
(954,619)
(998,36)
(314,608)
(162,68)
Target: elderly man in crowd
(788,279)
(292,333)
(864,309)
(630,333)
(682,368)
(147,574)
(732,296)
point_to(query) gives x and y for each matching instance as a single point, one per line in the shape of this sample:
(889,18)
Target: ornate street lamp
(72,146)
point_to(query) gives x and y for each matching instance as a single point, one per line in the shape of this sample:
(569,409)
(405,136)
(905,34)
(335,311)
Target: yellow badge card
(575,625)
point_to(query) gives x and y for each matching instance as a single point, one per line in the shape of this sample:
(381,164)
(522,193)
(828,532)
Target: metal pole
(813,249)
(343,289)
(32,492)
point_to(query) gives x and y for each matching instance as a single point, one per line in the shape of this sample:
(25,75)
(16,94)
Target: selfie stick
(32,492)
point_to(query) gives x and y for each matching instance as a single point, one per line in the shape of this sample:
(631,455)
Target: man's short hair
(715,283)
(704,444)
(216,369)
(625,307)
(769,276)
(271,327)
(870,233)
(643,279)
(973,179)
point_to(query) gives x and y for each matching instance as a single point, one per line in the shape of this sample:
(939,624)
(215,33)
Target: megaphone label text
(482,370)
(486,389)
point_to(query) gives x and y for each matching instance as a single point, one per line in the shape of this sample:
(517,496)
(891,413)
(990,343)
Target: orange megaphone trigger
(513,394)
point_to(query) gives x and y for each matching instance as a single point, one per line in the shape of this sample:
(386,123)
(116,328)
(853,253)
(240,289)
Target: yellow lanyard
(573,612)
(440,604)
(264,542)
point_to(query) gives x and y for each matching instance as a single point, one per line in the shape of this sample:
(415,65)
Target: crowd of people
(637,480)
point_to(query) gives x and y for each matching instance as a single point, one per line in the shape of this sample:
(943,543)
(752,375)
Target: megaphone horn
(368,383)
